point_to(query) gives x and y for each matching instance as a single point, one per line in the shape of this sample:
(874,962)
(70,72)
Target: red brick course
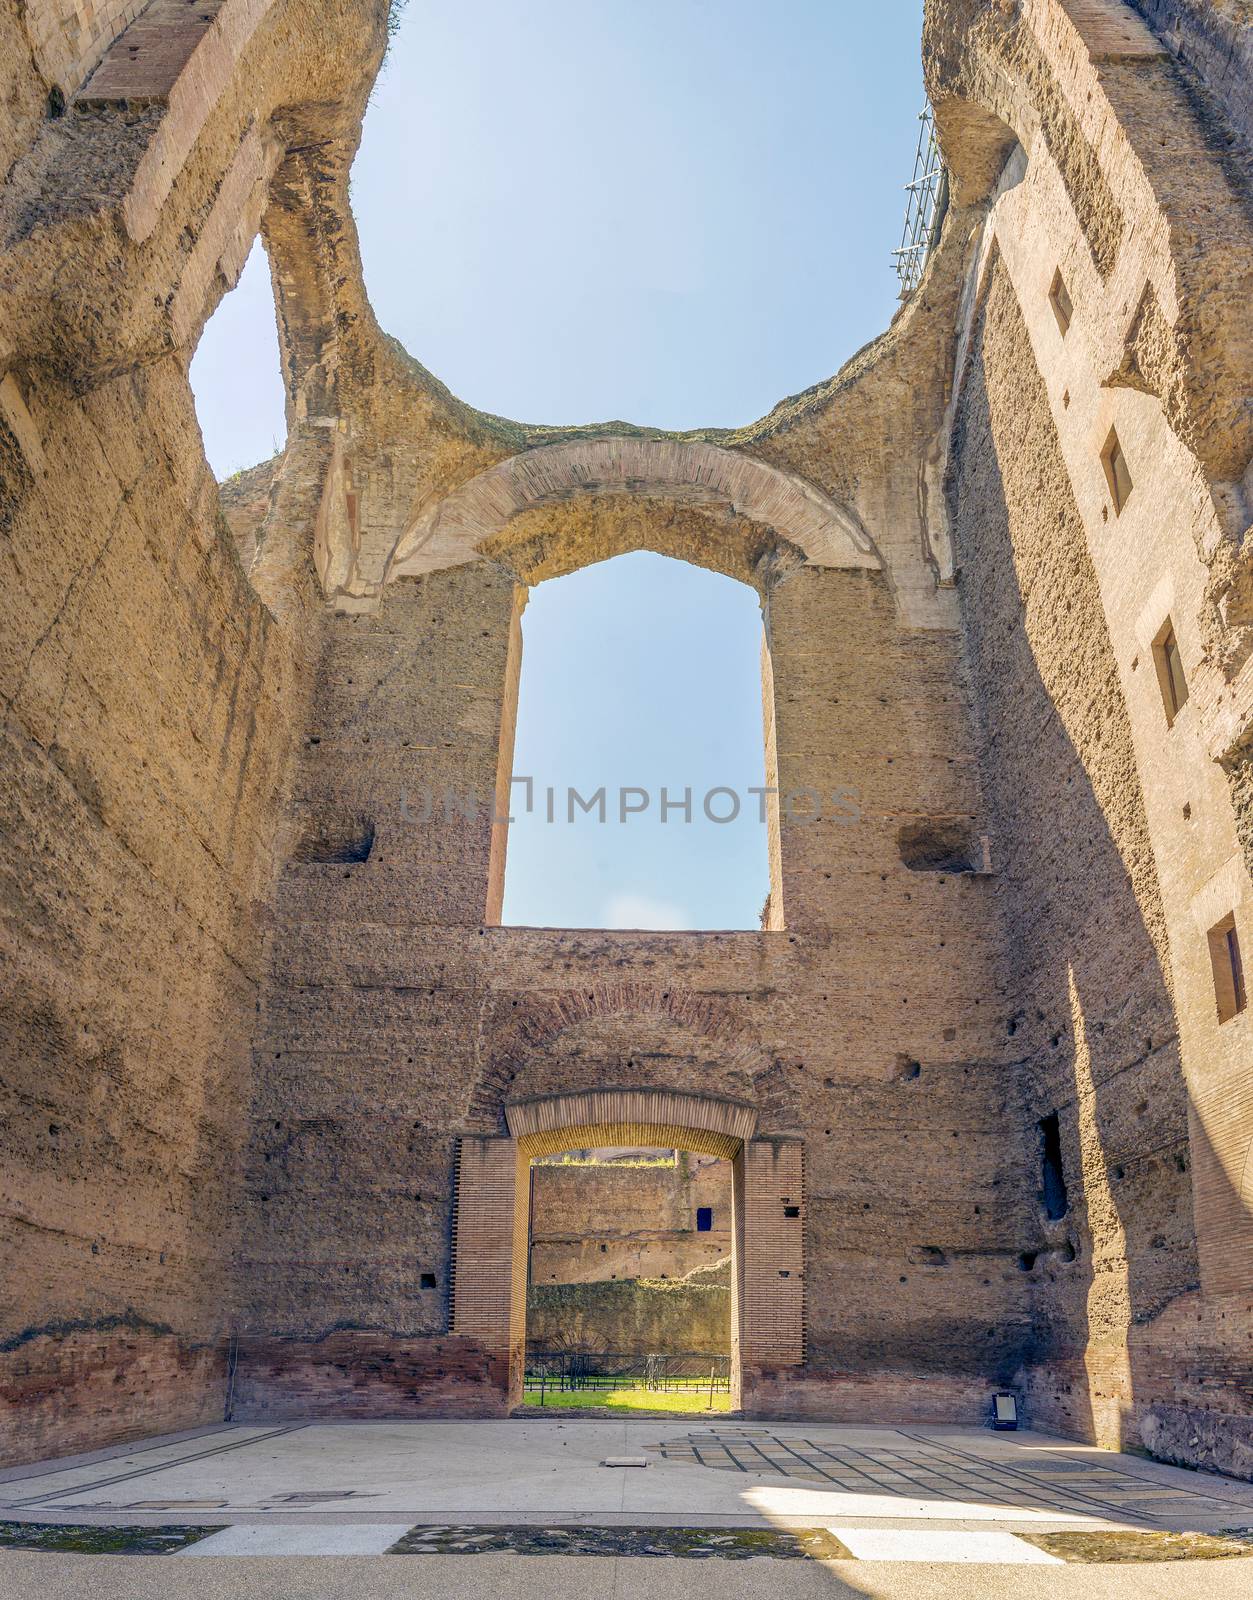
(355,1373)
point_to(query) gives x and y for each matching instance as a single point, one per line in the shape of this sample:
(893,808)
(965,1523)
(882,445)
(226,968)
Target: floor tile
(294,1539)
(910,1544)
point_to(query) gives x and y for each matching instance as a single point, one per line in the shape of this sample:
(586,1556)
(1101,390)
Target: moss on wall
(635,1316)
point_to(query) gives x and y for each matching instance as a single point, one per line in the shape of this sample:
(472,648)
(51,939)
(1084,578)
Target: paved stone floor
(474,1495)
(47,1577)
(939,1468)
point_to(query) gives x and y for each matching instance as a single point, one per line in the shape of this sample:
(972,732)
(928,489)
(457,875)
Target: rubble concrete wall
(252,1003)
(614,1220)
(395,1019)
(1110,807)
(630,1317)
(1213,42)
(148,704)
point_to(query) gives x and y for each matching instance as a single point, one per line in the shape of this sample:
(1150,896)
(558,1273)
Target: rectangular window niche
(1228,968)
(1059,299)
(1117,473)
(1170,677)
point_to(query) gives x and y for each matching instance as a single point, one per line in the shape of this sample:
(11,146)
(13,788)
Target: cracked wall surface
(251,1011)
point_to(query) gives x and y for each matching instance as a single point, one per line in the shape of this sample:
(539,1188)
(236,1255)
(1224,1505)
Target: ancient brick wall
(134,864)
(366,1053)
(983,1028)
(1212,39)
(1111,820)
(1092,1031)
(357,1376)
(70,36)
(244,499)
(631,1317)
(150,705)
(614,1220)
(395,1019)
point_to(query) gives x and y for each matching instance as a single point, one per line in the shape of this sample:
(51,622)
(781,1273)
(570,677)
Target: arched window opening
(640,792)
(237,380)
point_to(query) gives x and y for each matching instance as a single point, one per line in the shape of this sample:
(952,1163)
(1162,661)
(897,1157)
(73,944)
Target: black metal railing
(553,1372)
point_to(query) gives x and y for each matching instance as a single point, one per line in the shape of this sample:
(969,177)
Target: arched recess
(521,1031)
(491,1219)
(552,1123)
(450,529)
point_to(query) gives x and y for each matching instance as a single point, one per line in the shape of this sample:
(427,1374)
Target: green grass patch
(66,1537)
(725,1544)
(1117,1545)
(635,1398)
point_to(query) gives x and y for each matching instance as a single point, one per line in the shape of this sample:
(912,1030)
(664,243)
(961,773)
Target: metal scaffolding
(925,206)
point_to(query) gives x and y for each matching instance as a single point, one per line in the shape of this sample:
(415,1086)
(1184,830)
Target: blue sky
(616,690)
(668,211)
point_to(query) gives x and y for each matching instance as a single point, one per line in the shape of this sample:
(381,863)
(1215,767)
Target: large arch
(449,530)
(491,1219)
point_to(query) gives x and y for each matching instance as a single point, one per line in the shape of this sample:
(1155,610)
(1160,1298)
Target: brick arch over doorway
(768,1224)
(528,1026)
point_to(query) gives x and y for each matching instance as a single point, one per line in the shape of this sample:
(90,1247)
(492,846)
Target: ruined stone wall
(1005,920)
(150,705)
(1092,1028)
(147,695)
(244,500)
(369,1034)
(1213,40)
(631,1317)
(395,1019)
(1001,931)
(70,36)
(1112,825)
(614,1220)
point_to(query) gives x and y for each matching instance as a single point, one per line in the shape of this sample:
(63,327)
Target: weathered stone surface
(255,1017)
(630,1317)
(595,1223)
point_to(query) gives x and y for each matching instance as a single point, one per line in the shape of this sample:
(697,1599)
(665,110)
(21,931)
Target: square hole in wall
(1059,299)
(1228,968)
(939,844)
(333,835)
(1117,473)
(704,1219)
(427,1280)
(1170,677)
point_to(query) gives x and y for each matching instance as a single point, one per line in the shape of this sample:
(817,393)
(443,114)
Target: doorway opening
(491,1223)
(629,1281)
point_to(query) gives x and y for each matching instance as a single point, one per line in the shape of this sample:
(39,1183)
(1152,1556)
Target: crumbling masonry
(271,1070)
